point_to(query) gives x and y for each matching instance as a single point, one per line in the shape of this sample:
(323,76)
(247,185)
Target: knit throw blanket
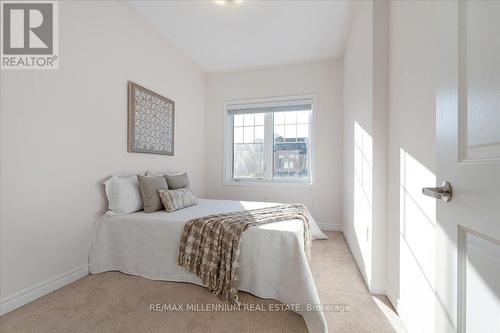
(210,245)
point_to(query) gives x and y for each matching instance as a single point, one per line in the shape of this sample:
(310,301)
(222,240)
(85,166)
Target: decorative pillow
(123,195)
(149,186)
(177,199)
(177,181)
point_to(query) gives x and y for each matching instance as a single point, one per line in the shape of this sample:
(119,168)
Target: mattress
(272,260)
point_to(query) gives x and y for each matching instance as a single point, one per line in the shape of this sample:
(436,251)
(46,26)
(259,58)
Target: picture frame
(151,121)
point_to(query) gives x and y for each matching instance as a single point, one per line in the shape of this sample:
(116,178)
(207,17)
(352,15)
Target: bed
(272,263)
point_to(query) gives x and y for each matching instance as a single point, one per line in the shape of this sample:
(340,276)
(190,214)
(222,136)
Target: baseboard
(391,295)
(330,226)
(30,294)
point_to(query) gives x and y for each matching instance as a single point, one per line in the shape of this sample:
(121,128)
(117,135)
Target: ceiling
(252,34)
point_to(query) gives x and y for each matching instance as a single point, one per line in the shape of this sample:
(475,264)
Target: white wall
(63,131)
(324,79)
(412,162)
(389,91)
(58,144)
(381,18)
(365,141)
(357,109)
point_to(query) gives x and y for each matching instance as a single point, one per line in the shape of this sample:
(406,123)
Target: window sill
(264,183)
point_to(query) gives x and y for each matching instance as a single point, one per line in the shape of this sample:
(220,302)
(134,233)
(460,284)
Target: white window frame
(268,145)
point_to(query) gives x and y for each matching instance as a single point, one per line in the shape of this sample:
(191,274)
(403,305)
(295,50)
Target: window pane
(248,134)
(279,118)
(291,160)
(238,135)
(259,134)
(238,120)
(248,146)
(290,131)
(259,119)
(302,132)
(303,117)
(279,133)
(248,161)
(290,117)
(291,146)
(248,119)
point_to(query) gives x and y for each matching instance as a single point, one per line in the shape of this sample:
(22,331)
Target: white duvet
(272,262)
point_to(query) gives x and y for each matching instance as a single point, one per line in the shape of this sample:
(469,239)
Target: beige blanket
(210,245)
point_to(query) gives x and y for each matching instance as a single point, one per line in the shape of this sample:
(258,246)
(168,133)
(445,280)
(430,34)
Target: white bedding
(272,262)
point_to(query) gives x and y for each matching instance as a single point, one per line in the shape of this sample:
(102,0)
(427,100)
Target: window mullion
(230,132)
(268,146)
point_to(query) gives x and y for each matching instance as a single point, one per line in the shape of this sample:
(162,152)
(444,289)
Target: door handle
(443,192)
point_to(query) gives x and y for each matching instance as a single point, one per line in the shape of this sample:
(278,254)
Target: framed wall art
(150,121)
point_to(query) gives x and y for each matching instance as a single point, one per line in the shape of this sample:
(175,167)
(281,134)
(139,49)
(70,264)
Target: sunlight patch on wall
(363,204)
(417,245)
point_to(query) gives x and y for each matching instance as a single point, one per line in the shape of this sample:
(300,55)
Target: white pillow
(123,195)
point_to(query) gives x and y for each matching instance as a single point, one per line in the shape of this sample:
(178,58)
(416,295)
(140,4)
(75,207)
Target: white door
(468,145)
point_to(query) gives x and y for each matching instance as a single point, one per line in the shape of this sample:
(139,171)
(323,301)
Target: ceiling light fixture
(228,2)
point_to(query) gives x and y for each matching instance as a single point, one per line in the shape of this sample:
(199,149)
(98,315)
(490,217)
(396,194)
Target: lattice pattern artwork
(151,121)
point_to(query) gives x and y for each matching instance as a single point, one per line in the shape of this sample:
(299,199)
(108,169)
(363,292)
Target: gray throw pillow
(177,181)
(149,186)
(177,199)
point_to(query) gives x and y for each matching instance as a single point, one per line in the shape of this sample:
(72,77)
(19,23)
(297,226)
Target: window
(248,145)
(291,144)
(269,141)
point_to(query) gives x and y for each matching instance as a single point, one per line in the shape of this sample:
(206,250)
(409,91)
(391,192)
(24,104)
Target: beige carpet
(115,302)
